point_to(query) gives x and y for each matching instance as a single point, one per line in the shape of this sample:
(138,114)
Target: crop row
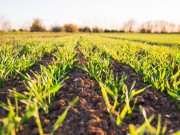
(172,40)
(20,55)
(114,90)
(41,90)
(158,66)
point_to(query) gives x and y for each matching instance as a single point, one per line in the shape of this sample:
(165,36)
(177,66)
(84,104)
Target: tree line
(128,27)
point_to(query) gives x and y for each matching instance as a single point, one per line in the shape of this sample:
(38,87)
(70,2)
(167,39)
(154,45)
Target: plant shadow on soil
(89,115)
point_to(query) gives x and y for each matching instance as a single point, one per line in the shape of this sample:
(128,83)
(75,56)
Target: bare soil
(152,100)
(17,83)
(89,116)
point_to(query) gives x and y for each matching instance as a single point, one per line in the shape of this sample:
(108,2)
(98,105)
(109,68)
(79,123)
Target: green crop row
(114,91)
(20,55)
(172,40)
(41,90)
(158,66)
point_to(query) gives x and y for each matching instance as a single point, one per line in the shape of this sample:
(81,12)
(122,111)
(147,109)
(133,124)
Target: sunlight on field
(52,81)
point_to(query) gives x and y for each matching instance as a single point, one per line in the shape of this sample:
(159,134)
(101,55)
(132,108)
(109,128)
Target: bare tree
(142,28)
(178,28)
(26,26)
(163,26)
(149,27)
(129,26)
(146,27)
(6,25)
(171,27)
(1,21)
(96,29)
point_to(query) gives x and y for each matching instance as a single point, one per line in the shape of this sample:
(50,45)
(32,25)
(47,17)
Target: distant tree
(26,26)
(107,31)
(87,29)
(156,27)
(6,25)
(56,28)
(171,27)
(21,29)
(146,27)
(142,30)
(80,29)
(163,26)
(97,29)
(70,28)
(121,31)
(114,31)
(37,26)
(129,26)
(13,30)
(178,28)
(149,27)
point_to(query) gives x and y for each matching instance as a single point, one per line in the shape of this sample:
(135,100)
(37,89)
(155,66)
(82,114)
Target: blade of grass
(63,116)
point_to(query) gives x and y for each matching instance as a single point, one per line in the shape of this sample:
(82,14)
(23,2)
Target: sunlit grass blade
(52,90)
(158,129)
(105,96)
(63,116)
(28,114)
(3,105)
(18,95)
(133,130)
(164,128)
(143,127)
(134,93)
(150,128)
(121,115)
(177,133)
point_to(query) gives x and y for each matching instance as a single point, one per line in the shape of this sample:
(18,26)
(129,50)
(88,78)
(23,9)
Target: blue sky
(105,13)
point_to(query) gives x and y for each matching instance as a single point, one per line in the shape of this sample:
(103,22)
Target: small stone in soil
(86,86)
(80,82)
(104,124)
(45,121)
(100,106)
(35,131)
(82,93)
(92,122)
(96,131)
(76,79)
(140,100)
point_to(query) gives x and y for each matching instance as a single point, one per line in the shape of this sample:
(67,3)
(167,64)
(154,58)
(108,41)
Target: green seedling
(63,116)
(147,127)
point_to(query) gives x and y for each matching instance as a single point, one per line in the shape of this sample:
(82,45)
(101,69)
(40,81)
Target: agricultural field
(171,40)
(92,84)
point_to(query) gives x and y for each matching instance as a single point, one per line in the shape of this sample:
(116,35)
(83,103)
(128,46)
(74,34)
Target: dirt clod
(140,100)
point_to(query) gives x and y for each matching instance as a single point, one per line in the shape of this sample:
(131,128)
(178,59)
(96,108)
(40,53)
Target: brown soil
(89,116)
(16,83)
(153,101)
